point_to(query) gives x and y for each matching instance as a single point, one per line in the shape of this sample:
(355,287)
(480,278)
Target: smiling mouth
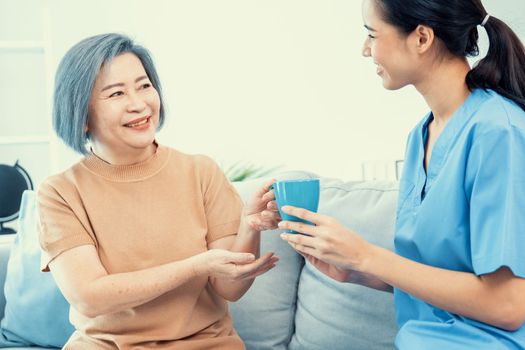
(137,122)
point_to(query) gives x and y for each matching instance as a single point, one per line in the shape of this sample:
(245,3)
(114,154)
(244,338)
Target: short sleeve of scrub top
(466,213)
(495,188)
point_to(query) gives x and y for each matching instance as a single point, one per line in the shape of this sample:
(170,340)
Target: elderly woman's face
(124,108)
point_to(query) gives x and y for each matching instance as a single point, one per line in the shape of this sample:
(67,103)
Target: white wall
(273,82)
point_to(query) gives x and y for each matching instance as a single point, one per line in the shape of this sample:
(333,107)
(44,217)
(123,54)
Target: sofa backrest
(294,306)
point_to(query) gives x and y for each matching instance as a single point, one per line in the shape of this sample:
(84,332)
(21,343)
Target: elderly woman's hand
(223,264)
(260,213)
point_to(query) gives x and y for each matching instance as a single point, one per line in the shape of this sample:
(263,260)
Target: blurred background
(272,83)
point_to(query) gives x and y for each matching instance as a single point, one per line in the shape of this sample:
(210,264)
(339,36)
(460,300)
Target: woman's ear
(423,38)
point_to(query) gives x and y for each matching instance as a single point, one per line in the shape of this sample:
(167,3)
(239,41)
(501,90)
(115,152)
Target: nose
(136,102)
(366,48)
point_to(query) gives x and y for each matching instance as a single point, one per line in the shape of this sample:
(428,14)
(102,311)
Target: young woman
(145,242)
(457,273)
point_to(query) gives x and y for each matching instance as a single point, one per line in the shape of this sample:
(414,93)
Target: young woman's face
(124,108)
(388,48)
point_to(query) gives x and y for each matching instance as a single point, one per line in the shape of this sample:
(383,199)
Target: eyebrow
(370,28)
(122,84)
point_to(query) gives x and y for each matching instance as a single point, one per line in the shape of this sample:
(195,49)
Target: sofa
(293,306)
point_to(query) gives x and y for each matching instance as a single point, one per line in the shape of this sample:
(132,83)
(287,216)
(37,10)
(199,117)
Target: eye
(146,86)
(116,93)
(370,36)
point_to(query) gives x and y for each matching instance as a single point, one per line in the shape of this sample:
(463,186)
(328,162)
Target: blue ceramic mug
(301,193)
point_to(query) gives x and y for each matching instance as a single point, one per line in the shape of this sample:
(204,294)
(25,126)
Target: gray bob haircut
(75,78)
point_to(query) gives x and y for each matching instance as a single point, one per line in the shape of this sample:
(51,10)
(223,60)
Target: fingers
(272,206)
(266,257)
(270,264)
(267,220)
(261,199)
(256,268)
(268,196)
(310,258)
(266,191)
(240,258)
(307,215)
(305,250)
(254,264)
(268,184)
(263,225)
(260,272)
(300,227)
(269,215)
(309,253)
(304,245)
(299,240)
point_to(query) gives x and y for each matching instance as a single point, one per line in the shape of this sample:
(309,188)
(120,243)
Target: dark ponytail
(455,23)
(503,69)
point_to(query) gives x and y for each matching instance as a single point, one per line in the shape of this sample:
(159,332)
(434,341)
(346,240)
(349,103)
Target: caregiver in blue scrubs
(459,264)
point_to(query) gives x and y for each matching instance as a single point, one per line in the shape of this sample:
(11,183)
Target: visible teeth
(139,123)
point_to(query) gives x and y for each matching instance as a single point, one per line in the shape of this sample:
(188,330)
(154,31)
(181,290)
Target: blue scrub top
(466,213)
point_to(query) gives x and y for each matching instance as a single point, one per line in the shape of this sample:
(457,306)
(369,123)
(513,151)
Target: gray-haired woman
(145,242)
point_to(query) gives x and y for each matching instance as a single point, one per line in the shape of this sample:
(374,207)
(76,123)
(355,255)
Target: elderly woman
(145,242)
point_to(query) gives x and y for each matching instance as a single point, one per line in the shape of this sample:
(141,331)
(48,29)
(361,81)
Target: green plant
(241,171)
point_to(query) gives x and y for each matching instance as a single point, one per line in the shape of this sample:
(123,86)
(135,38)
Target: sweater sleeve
(60,228)
(222,204)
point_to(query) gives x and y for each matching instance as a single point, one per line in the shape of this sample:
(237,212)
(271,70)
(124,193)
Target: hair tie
(485,20)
